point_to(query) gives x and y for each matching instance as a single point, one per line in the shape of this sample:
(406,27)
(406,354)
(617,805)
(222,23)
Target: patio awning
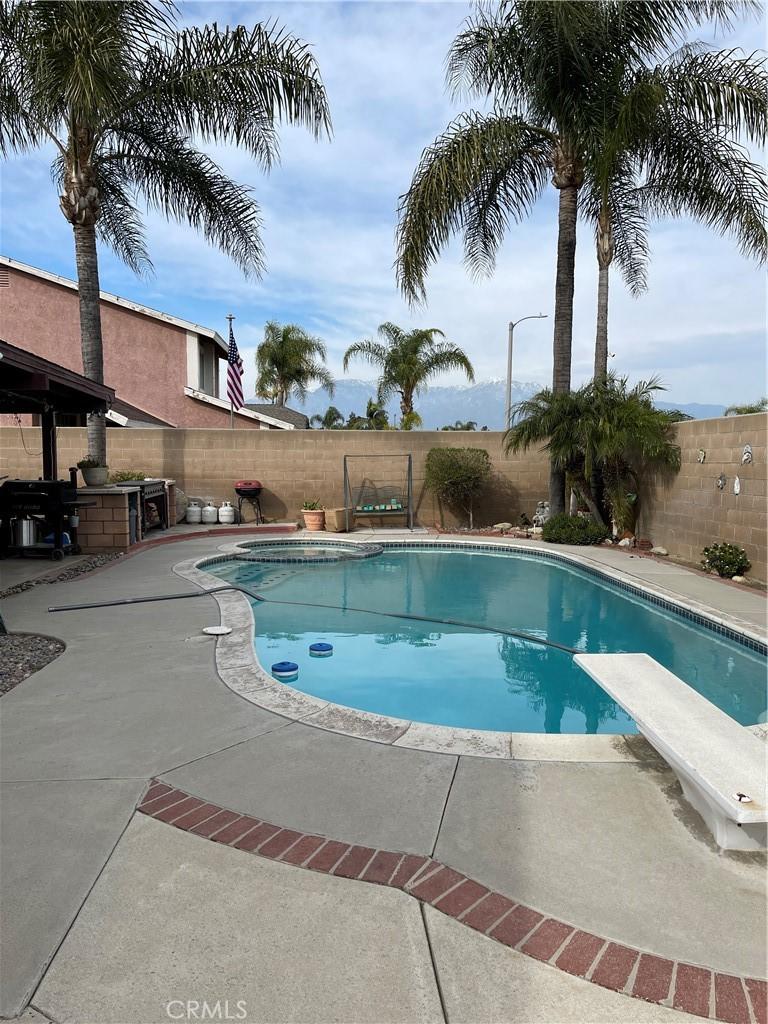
(30,384)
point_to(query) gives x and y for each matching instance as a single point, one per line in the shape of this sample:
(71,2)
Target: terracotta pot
(314,519)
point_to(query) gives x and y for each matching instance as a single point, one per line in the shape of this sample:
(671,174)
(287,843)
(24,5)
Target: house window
(208,368)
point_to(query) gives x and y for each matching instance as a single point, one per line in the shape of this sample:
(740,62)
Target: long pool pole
(147,600)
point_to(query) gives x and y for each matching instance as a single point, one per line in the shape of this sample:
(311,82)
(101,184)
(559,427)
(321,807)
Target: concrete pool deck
(610,848)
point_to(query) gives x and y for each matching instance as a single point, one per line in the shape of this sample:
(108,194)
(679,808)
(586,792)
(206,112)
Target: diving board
(721,766)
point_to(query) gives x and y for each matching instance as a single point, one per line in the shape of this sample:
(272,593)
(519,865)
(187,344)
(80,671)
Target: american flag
(234,373)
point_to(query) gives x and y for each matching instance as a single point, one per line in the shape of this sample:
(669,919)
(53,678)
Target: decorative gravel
(21,654)
(63,574)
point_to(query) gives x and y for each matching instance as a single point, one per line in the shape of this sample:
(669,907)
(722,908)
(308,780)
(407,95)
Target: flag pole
(230,318)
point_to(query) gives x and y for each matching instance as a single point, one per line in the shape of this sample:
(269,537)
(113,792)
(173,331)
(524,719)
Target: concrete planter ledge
(720,765)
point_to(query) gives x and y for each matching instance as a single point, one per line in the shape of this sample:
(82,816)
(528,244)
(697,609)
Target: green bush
(457,476)
(565,529)
(91,462)
(726,559)
(121,475)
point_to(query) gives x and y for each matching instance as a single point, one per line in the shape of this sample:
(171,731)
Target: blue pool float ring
(285,670)
(320,650)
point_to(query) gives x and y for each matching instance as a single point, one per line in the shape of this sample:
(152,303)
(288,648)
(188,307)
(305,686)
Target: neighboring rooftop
(280,412)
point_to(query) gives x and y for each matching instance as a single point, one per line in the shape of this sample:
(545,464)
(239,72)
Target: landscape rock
(738,579)
(502,526)
(625,542)
(659,551)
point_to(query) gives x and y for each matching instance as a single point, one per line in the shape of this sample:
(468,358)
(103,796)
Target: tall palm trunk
(567,178)
(564,288)
(81,206)
(90,329)
(605,249)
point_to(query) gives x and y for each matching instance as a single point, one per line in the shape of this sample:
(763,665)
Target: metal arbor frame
(371,515)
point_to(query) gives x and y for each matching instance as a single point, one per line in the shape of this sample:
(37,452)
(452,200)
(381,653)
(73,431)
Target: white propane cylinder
(194,512)
(210,513)
(226,513)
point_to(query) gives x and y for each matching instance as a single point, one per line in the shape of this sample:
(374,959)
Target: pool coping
(239,668)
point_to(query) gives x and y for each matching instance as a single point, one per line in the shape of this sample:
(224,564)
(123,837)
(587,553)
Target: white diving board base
(713,757)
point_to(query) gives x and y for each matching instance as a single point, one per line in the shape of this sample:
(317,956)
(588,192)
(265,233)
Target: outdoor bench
(720,764)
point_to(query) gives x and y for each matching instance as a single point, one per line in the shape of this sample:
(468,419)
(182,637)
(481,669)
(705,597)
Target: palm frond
(371,351)
(619,205)
(704,175)
(186,185)
(444,358)
(725,90)
(483,173)
(120,226)
(233,85)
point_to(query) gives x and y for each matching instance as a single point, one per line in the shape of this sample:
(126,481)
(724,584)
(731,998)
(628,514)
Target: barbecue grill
(48,502)
(249,490)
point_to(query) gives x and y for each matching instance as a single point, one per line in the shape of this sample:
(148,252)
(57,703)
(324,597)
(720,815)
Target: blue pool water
(474,678)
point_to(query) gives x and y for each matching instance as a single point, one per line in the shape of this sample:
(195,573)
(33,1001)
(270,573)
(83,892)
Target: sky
(329,213)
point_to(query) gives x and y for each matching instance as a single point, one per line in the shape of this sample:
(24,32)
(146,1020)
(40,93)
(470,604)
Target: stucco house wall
(148,359)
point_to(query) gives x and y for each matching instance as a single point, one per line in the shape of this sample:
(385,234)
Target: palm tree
(604,429)
(678,416)
(376,418)
(744,410)
(407,361)
(119,92)
(541,63)
(288,361)
(668,146)
(462,425)
(331,419)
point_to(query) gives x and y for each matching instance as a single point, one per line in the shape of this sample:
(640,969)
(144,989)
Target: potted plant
(314,516)
(94,473)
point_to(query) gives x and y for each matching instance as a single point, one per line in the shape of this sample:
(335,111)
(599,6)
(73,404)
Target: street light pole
(512,325)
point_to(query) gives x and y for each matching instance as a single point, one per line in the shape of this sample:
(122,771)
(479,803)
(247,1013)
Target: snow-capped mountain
(441,406)
(438,405)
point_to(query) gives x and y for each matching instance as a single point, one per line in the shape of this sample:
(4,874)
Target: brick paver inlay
(694,988)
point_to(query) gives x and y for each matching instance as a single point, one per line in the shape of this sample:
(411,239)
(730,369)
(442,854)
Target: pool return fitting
(460,623)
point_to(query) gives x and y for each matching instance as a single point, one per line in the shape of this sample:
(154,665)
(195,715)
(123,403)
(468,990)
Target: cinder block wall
(688,512)
(683,514)
(294,465)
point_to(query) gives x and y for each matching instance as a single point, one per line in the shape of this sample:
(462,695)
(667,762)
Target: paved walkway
(610,848)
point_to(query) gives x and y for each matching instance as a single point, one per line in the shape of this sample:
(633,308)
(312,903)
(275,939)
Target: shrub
(726,560)
(121,475)
(457,476)
(312,506)
(91,462)
(565,529)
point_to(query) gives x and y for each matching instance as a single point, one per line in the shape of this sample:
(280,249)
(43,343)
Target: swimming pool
(472,673)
